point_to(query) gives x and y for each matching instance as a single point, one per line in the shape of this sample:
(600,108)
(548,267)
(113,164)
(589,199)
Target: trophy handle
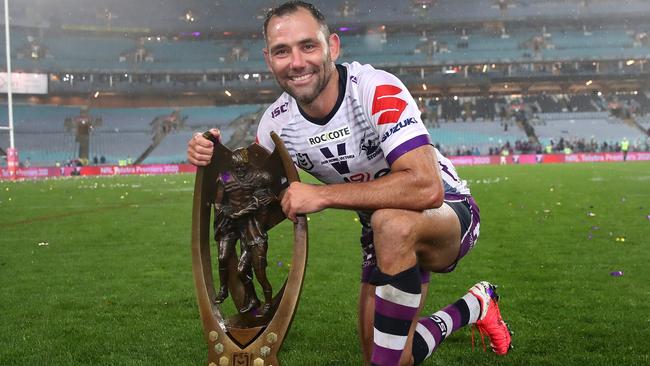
(287,162)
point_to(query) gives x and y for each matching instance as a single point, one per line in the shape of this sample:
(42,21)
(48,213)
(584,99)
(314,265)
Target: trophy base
(245,359)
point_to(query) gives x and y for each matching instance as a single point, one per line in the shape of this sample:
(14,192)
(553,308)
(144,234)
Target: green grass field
(97,271)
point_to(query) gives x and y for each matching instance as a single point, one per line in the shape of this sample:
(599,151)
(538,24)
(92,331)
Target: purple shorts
(469,216)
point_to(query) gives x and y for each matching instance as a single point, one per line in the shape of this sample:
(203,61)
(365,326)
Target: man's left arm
(414,183)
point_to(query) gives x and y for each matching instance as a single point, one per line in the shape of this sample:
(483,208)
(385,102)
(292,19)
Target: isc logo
(279,110)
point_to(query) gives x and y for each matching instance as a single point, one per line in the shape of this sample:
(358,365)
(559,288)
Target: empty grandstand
(123,85)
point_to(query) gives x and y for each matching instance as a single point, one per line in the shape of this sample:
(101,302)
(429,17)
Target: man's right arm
(199,149)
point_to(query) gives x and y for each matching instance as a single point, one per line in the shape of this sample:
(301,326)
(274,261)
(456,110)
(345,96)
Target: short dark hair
(291,7)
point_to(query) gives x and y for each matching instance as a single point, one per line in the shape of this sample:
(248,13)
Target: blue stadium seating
(124,132)
(102,53)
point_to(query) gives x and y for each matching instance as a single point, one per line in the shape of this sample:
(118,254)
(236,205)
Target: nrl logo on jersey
(304,162)
(329,136)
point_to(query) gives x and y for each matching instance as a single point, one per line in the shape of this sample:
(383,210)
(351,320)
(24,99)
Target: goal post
(12,153)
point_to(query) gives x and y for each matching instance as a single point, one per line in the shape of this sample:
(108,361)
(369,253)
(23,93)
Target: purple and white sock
(431,331)
(397,299)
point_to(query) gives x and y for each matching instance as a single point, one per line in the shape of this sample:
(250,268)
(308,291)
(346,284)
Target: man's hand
(199,149)
(301,198)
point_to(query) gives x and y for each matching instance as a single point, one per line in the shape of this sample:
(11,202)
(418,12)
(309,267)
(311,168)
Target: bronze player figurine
(240,210)
(236,194)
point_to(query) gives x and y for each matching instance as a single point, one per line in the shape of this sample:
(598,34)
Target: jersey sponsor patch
(405,123)
(338,161)
(279,110)
(329,136)
(390,107)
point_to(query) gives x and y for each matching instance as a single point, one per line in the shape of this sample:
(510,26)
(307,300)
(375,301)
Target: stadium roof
(240,15)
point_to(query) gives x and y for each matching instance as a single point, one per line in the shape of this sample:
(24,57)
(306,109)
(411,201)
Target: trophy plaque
(239,190)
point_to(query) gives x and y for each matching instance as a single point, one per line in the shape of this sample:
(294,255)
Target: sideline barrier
(549,158)
(101,170)
(108,170)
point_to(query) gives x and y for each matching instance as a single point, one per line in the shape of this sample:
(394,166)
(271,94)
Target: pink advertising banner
(48,172)
(107,170)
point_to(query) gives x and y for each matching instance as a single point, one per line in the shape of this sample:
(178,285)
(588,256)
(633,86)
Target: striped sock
(397,299)
(431,331)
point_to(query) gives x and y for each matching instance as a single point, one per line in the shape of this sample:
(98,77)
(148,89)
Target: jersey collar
(343,77)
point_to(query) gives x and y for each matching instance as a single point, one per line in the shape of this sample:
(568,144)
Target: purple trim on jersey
(393,310)
(385,356)
(407,146)
(445,169)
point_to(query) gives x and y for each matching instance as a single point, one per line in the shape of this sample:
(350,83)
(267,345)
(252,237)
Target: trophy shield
(242,189)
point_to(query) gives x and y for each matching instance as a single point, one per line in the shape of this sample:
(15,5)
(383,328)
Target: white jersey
(374,122)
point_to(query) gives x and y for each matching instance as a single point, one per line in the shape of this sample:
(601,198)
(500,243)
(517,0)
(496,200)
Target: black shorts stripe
(464,214)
